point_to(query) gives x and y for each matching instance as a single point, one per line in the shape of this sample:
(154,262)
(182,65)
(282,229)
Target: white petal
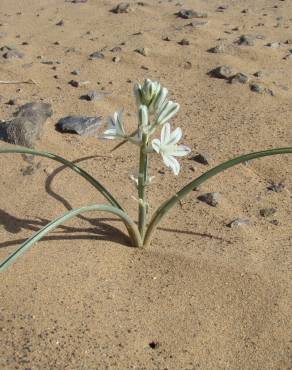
(156,145)
(165,133)
(172,163)
(175,136)
(180,151)
(167,113)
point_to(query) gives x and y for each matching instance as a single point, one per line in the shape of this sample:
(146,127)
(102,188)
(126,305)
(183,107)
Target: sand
(203,295)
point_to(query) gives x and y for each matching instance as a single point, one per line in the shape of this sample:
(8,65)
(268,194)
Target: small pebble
(267,212)
(212,199)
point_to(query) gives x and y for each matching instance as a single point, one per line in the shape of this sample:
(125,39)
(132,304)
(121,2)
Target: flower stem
(141,186)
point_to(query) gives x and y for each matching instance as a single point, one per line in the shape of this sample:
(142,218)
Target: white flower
(168,148)
(115,128)
(167,110)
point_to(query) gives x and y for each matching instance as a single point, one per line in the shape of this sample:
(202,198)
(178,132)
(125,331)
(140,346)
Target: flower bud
(143,116)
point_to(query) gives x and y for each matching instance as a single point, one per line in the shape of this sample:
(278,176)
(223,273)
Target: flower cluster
(152,100)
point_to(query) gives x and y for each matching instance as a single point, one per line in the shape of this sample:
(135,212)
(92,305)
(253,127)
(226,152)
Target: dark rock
(75,72)
(143,51)
(246,40)
(122,8)
(184,42)
(218,49)
(60,23)
(27,127)
(212,199)
(197,24)
(76,1)
(94,95)
(267,212)
(257,88)
(188,14)
(96,55)
(116,49)
(12,102)
(259,74)
(202,158)
(85,126)
(277,187)
(239,222)
(221,8)
(239,78)
(116,59)
(13,54)
(225,72)
(74,83)
(273,45)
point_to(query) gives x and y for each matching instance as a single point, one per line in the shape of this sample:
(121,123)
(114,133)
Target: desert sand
(203,295)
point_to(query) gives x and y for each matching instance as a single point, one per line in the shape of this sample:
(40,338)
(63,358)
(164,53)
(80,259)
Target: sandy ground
(205,295)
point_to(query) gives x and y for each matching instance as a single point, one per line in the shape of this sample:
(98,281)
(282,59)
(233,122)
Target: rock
(273,45)
(76,1)
(122,8)
(246,40)
(212,199)
(13,54)
(197,24)
(84,126)
(218,49)
(116,59)
(27,127)
(259,74)
(277,187)
(75,83)
(225,72)
(288,42)
(116,49)
(239,222)
(202,158)
(96,55)
(184,42)
(267,212)
(257,88)
(143,51)
(188,14)
(94,95)
(239,78)
(60,23)
(288,57)
(75,72)
(221,8)
(12,101)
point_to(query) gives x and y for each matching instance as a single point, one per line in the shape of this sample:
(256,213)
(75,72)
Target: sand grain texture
(208,296)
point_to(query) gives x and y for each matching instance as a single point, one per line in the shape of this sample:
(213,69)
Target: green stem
(141,186)
(131,226)
(166,206)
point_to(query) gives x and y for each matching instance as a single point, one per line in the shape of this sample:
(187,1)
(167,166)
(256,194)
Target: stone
(122,8)
(143,51)
(224,72)
(96,55)
(197,24)
(288,57)
(188,14)
(184,42)
(116,59)
(277,187)
(75,72)
(60,23)
(202,158)
(84,126)
(273,45)
(12,101)
(218,49)
(94,95)
(267,212)
(246,40)
(75,83)
(27,127)
(212,199)
(221,8)
(13,54)
(257,88)
(239,222)
(239,78)
(259,74)
(116,49)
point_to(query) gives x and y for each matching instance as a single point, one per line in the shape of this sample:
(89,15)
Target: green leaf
(131,226)
(166,206)
(69,164)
